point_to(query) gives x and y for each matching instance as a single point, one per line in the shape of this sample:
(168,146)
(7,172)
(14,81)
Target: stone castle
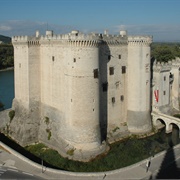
(76,92)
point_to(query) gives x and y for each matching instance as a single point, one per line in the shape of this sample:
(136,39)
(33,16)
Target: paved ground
(158,168)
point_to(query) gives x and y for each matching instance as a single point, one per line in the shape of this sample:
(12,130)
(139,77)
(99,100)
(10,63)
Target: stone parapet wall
(140,40)
(161,66)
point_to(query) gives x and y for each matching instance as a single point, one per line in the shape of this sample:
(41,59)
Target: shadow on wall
(168,169)
(105,55)
(151,81)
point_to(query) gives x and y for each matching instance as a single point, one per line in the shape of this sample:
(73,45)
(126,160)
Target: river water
(7,88)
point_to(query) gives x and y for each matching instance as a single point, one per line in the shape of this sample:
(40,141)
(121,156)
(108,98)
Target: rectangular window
(164,92)
(164,78)
(123,69)
(109,57)
(53,58)
(122,98)
(74,59)
(95,73)
(111,70)
(119,56)
(113,99)
(105,86)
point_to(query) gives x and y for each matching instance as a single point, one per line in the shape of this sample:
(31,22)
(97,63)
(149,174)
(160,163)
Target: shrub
(49,133)
(46,120)
(177,115)
(11,115)
(70,152)
(115,129)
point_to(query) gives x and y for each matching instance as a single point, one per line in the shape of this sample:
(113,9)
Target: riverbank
(7,69)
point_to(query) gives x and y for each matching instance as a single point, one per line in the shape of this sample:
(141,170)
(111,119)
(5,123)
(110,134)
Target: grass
(121,154)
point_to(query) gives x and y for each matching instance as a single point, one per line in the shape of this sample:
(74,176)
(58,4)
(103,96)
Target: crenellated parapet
(176,62)
(139,40)
(162,67)
(166,66)
(114,40)
(75,38)
(79,39)
(74,35)
(72,39)
(20,39)
(28,40)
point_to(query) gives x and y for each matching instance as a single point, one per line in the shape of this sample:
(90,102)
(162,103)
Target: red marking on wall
(156,94)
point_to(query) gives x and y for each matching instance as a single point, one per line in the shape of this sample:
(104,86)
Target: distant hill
(5,39)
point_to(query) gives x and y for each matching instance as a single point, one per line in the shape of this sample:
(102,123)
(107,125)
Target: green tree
(163,53)
(6,56)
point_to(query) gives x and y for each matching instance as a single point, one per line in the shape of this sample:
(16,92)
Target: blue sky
(160,18)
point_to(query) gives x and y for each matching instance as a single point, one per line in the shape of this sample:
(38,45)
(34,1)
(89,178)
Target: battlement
(20,38)
(74,38)
(137,40)
(74,35)
(29,40)
(161,66)
(114,39)
(176,62)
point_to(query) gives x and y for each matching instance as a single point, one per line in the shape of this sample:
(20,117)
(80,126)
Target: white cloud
(17,27)
(160,32)
(5,28)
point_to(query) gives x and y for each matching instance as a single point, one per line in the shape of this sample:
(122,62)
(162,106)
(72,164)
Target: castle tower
(82,94)
(174,82)
(138,105)
(27,92)
(70,94)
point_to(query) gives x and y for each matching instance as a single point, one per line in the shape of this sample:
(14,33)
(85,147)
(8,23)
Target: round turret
(75,32)
(138,109)
(82,99)
(49,33)
(37,34)
(123,33)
